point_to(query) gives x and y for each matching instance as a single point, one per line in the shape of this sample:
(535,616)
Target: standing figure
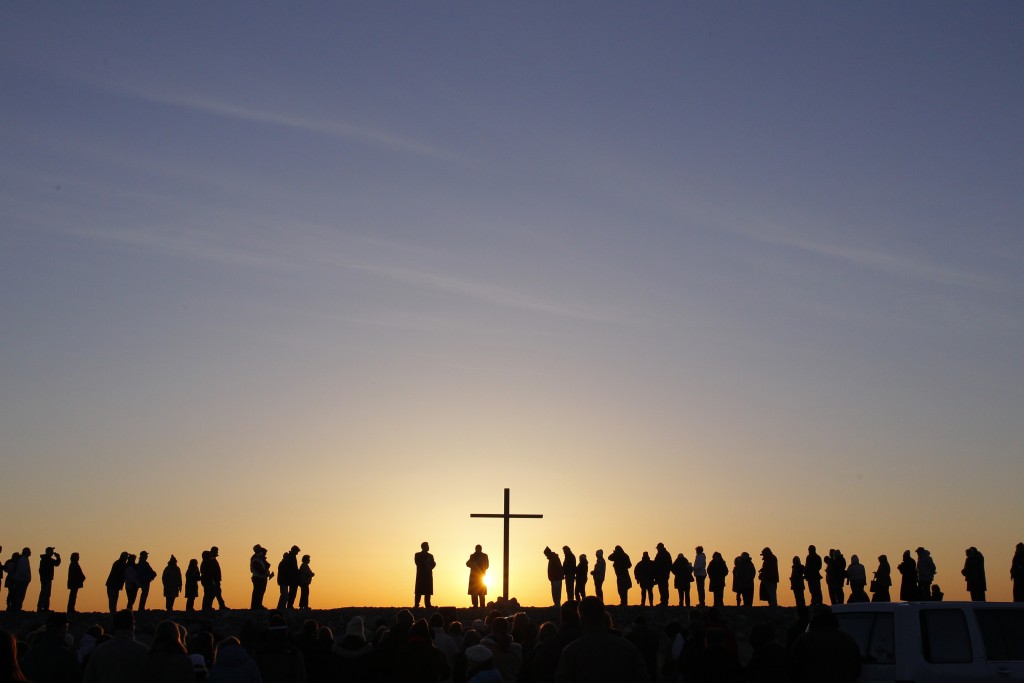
(478,565)
(145,574)
(115,581)
(47,561)
(425,564)
(925,573)
(621,564)
(305,578)
(211,573)
(974,574)
(812,574)
(882,580)
(288,578)
(745,575)
(856,576)
(768,574)
(598,573)
(582,567)
(835,576)
(717,571)
(796,582)
(171,581)
(76,580)
(555,575)
(259,568)
(700,573)
(682,571)
(908,577)
(1017,573)
(12,592)
(662,570)
(644,573)
(22,578)
(131,582)
(569,572)
(193,577)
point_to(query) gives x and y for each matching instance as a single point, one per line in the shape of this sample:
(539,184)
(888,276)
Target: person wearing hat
(259,567)
(768,574)
(662,570)
(480,665)
(47,562)
(145,573)
(49,659)
(171,580)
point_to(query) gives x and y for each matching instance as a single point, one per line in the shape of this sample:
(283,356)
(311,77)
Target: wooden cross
(506,516)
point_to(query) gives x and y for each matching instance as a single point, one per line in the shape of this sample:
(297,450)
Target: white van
(928,642)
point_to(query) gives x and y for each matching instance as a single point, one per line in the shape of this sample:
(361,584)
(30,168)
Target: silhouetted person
(768,575)
(288,578)
(835,576)
(425,564)
(662,571)
(621,564)
(856,576)
(76,580)
(1017,573)
(598,572)
(259,569)
(644,573)
(812,574)
(743,579)
(974,574)
(119,659)
(278,659)
(146,574)
(925,573)
(555,575)
(824,653)
(47,561)
(193,577)
(597,656)
(648,642)
(171,582)
(10,669)
(305,579)
(717,571)
(936,594)
(115,581)
(882,581)
(796,582)
(769,662)
(682,573)
(700,573)
(908,577)
(478,564)
(131,581)
(167,660)
(48,659)
(582,567)
(211,579)
(569,572)
(22,578)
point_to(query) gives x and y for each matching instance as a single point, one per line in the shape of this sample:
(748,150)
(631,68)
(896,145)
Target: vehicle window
(944,636)
(1002,631)
(875,635)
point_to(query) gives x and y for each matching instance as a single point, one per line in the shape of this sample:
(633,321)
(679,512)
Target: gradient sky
(334,274)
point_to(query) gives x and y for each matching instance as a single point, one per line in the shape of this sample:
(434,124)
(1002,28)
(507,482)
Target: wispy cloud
(333,128)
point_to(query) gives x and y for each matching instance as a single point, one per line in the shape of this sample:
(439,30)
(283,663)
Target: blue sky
(728,246)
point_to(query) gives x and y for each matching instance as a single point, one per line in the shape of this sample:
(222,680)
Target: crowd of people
(584,644)
(132,576)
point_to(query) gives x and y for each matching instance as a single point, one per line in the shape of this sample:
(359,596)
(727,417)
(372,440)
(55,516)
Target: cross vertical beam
(506,516)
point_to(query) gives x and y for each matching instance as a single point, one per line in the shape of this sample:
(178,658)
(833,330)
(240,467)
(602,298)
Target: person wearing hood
(856,576)
(171,581)
(743,579)
(353,654)
(882,581)
(234,665)
(555,575)
(974,574)
(908,578)
(682,571)
(925,573)
(717,571)
(769,577)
